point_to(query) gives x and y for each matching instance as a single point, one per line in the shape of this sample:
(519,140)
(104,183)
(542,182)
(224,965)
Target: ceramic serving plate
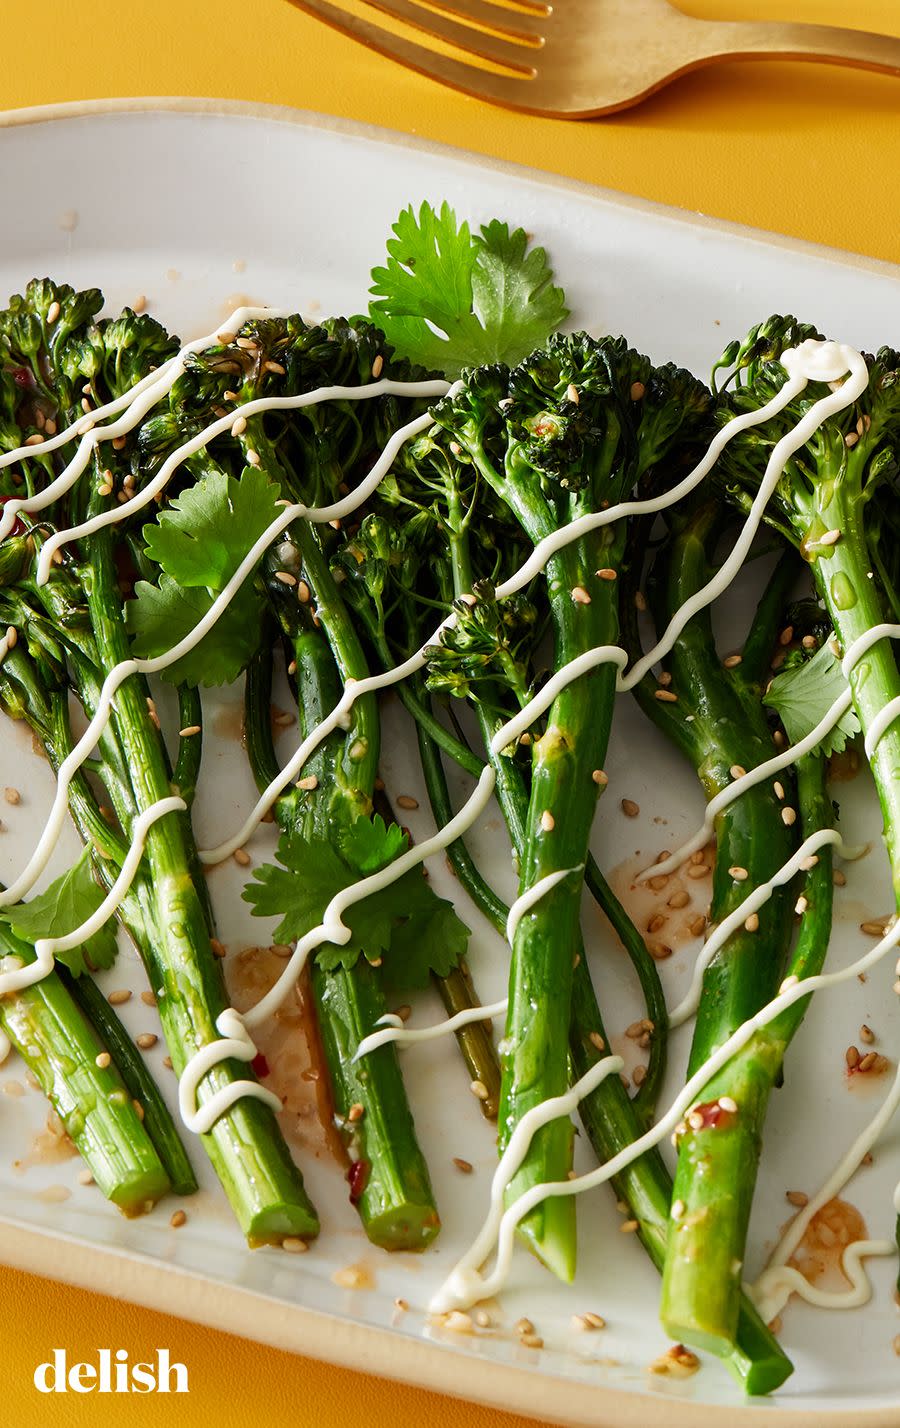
(202,206)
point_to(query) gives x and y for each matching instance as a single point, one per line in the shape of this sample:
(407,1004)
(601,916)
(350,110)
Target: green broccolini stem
(245,1144)
(60,1047)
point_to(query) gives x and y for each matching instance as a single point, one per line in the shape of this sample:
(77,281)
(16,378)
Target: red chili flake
(22,377)
(358,1177)
(260,1065)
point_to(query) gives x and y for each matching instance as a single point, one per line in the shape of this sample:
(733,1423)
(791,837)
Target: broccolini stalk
(566,433)
(388,1177)
(719,722)
(53,352)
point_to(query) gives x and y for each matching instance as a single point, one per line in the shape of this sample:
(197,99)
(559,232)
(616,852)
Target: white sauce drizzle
(779,1280)
(235,1042)
(396,1030)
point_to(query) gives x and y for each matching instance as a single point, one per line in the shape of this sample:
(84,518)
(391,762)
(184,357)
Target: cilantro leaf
(199,542)
(63,906)
(405,924)
(370,844)
(449,299)
(803,693)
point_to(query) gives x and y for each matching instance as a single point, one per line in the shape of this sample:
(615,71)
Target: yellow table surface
(805,150)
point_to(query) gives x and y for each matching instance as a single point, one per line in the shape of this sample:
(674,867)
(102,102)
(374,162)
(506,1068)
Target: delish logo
(111,1374)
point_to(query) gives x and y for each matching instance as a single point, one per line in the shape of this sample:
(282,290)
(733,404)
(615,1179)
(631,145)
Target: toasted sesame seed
(639,1075)
(189,730)
(630,808)
(628,1227)
(829,538)
(548,822)
(637,391)
(659,882)
(698,870)
(665,696)
(308,782)
(12,795)
(84,1177)
(872,929)
(292,1244)
(597,1041)
(178,1219)
(600,778)
(728,1103)
(252,457)
(634,1030)
(740,875)
(665,679)
(851,1056)
(146,1040)
(167,1062)
(839,879)
(659,951)
(580,595)
(218,948)
(285,577)
(592,1320)
(657,922)
(737,771)
(148,999)
(867,1062)
(303,592)
(797,1197)
(34,440)
(732,661)
(751,923)
(356,1112)
(465,1166)
(606,573)
(118,998)
(406,801)
(531,1341)
(523,1326)
(377,365)
(789,816)
(401,1304)
(241,857)
(103,1060)
(866,1034)
(53,312)
(851,438)
(801,905)
(479,1090)
(695,1121)
(276,367)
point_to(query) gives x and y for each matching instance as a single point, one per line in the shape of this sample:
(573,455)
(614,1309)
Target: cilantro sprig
(448,298)
(802,695)
(406,925)
(58,910)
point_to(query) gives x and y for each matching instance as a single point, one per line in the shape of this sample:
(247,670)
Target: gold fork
(581,58)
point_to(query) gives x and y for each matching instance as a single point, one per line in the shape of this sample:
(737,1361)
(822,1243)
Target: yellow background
(804,150)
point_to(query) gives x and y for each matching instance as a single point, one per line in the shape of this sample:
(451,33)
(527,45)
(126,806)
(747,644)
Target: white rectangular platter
(199,207)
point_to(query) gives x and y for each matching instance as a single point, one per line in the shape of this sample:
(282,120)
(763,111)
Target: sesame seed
(119,443)
(665,679)
(167,1062)
(839,879)
(657,922)
(356,1112)
(292,1244)
(732,661)
(523,1326)
(872,929)
(285,577)
(851,438)
(84,1177)
(751,923)
(634,1030)
(630,808)
(34,440)
(797,1197)
(678,1209)
(218,948)
(377,365)
(592,1320)
(401,1304)
(809,862)
(189,730)
(698,926)
(406,801)
(241,857)
(866,1034)
(103,1060)
(678,899)
(829,538)
(252,458)
(640,601)
(658,883)
(737,771)
(851,1056)
(118,998)
(740,875)
(867,1062)
(479,1090)
(53,312)
(801,905)
(572,393)
(548,822)
(637,391)
(308,782)
(148,999)
(778,739)
(695,1121)
(789,816)
(728,1104)
(12,795)
(275,367)
(178,1219)
(581,596)
(789,982)
(531,1341)
(606,573)
(146,1040)
(639,1075)
(465,1166)
(303,592)
(698,870)
(597,1041)
(628,1227)
(665,696)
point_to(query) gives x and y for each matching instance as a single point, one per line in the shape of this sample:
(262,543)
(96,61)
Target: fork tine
(443,25)
(480,83)
(524,26)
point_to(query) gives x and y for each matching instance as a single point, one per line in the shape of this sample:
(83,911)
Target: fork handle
(828,43)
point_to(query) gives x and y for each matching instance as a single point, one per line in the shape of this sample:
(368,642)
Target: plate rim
(142,1280)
